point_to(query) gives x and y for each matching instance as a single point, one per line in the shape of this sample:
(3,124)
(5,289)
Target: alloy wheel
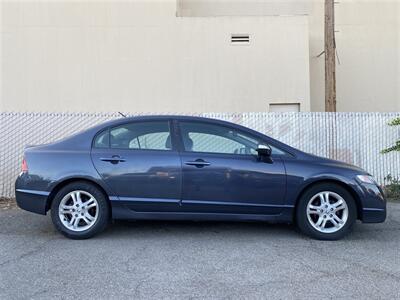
(327,212)
(78,210)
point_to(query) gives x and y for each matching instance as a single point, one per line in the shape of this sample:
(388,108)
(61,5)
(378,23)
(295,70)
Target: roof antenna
(122,114)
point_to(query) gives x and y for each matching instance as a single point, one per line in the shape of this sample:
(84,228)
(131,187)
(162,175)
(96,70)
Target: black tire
(301,212)
(103,210)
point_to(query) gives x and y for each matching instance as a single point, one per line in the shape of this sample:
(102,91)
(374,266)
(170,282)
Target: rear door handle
(199,163)
(114,159)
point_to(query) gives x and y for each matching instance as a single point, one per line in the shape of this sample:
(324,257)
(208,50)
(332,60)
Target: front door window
(200,137)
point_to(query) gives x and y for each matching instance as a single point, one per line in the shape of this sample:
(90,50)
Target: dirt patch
(7,203)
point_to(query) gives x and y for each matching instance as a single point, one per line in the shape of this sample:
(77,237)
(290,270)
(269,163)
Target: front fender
(297,185)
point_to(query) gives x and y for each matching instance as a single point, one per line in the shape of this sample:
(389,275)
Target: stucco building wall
(176,56)
(368,47)
(139,56)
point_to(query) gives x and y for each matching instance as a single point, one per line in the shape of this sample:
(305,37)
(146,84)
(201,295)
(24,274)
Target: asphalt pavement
(204,260)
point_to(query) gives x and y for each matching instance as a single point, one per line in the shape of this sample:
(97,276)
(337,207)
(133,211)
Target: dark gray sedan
(189,168)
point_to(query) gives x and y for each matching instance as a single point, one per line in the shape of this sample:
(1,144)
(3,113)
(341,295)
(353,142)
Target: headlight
(366,179)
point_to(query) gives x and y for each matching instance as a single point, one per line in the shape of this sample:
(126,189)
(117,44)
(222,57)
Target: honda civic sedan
(190,168)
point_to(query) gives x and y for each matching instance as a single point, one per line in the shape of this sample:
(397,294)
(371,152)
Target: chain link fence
(356,138)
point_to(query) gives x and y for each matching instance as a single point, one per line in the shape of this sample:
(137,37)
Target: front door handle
(199,163)
(114,159)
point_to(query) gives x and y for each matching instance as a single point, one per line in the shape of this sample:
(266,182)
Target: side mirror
(264,150)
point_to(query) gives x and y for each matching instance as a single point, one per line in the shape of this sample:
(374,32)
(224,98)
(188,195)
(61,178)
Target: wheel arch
(67,181)
(342,184)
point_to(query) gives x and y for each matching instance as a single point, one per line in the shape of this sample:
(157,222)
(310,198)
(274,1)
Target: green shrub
(392,187)
(396,146)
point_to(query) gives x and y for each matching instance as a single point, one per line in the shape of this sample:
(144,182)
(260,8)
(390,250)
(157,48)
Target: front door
(223,174)
(139,164)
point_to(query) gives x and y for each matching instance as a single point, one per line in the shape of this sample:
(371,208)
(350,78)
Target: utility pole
(330,56)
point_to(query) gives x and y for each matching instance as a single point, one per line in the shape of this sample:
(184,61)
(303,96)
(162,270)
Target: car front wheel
(326,212)
(80,210)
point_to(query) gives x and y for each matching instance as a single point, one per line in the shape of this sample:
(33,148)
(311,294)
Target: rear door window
(141,136)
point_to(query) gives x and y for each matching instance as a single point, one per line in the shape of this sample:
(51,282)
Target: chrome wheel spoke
(78,197)
(319,222)
(72,221)
(86,220)
(324,197)
(89,217)
(76,222)
(338,203)
(337,220)
(340,207)
(66,209)
(313,209)
(89,204)
(73,196)
(334,222)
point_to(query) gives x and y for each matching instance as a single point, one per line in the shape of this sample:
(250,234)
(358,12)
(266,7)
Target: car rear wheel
(80,210)
(326,212)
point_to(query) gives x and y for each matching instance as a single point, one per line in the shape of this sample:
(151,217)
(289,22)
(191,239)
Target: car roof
(129,119)
(83,140)
(162,117)
(125,120)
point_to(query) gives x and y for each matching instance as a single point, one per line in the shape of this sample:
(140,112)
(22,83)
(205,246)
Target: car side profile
(191,168)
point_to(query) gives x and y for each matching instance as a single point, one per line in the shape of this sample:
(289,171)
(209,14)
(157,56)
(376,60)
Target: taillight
(24,167)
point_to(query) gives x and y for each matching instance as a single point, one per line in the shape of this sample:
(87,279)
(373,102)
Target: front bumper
(373,204)
(373,215)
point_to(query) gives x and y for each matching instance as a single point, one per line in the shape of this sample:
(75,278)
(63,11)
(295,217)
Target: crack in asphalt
(354,264)
(28,253)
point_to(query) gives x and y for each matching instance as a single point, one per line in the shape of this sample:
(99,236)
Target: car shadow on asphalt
(193,228)
(235,230)
(27,224)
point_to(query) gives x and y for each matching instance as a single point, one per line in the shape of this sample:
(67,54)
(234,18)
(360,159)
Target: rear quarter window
(102,140)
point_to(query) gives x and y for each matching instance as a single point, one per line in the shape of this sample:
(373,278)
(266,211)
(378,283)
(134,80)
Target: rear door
(140,164)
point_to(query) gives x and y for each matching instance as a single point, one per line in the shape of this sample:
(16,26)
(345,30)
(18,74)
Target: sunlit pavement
(155,260)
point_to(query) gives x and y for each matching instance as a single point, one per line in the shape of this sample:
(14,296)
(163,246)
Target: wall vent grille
(240,39)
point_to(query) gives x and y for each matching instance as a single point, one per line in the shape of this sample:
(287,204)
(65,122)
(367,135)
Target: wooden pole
(330,52)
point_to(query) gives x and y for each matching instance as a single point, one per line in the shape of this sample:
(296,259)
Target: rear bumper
(32,200)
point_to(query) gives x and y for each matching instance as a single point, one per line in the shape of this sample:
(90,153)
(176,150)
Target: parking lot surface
(187,260)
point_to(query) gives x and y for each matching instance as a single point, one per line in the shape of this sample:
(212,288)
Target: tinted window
(102,140)
(200,137)
(145,135)
(277,151)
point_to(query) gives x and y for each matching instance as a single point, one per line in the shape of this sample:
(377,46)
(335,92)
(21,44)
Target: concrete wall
(368,45)
(139,56)
(207,8)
